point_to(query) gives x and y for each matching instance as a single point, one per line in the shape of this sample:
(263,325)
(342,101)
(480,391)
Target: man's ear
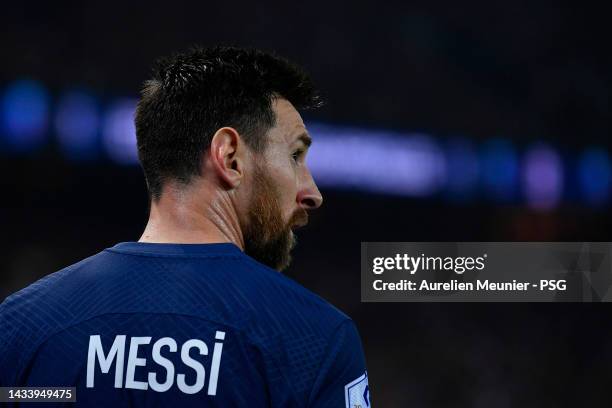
(227,155)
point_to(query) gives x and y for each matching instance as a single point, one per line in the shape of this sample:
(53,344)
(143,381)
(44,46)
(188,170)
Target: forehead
(289,124)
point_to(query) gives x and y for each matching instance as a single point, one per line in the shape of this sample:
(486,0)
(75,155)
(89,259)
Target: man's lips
(300,225)
(299,220)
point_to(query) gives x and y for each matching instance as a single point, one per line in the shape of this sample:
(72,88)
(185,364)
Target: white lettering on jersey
(134,361)
(164,362)
(357,393)
(195,364)
(216,361)
(117,354)
(95,351)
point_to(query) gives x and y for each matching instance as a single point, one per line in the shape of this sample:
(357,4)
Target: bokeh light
(376,161)
(25,110)
(463,169)
(595,175)
(76,125)
(119,132)
(542,177)
(499,170)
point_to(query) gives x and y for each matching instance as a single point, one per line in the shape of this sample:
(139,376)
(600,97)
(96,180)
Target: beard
(267,238)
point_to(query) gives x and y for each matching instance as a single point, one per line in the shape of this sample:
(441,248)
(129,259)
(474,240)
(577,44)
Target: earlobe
(226,151)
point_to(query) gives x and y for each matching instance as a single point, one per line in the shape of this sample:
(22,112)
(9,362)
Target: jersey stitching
(172,255)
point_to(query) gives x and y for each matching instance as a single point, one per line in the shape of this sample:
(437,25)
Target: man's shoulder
(291,297)
(297,329)
(40,288)
(29,316)
(35,304)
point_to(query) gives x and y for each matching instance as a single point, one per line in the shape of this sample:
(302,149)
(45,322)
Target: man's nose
(309,197)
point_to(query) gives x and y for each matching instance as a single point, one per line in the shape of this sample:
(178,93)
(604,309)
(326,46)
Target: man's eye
(296,155)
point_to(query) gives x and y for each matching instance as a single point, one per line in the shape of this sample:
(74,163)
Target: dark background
(527,72)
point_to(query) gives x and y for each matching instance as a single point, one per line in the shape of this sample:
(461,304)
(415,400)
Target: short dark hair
(193,94)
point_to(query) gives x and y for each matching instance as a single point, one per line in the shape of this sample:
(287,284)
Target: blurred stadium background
(480,122)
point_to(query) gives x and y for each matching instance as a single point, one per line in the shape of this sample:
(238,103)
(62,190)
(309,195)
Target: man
(193,313)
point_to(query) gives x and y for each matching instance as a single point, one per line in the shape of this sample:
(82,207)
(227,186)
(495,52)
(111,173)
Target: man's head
(230,115)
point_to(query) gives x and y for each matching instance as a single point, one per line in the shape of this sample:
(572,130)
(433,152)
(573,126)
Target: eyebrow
(305,138)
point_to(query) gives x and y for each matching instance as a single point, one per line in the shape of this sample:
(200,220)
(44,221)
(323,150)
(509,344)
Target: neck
(182,216)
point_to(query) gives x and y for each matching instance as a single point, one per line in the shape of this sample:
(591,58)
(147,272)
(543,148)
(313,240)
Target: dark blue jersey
(181,325)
